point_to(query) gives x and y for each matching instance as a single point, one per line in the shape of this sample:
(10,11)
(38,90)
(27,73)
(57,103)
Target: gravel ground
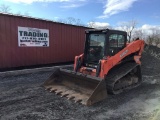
(23,98)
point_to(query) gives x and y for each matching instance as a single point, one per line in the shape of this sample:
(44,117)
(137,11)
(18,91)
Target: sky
(102,12)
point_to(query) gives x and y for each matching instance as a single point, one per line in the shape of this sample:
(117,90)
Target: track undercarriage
(123,78)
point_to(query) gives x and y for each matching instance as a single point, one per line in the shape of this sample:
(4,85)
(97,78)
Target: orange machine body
(110,61)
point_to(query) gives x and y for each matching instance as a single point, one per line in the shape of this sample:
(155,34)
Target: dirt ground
(22,97)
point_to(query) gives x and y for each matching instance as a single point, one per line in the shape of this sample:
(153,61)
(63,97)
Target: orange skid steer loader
(108,65)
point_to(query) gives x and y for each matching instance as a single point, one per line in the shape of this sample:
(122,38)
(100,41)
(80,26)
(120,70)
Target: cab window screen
(116,40)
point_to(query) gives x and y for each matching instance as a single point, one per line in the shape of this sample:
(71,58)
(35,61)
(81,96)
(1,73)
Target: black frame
(107,33)
(110,32)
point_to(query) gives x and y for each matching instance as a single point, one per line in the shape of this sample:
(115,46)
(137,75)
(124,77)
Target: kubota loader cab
(101,44)
(108,65)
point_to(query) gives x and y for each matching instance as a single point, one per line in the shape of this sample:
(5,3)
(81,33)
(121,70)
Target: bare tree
(71,20)
(150,40)
(5,8)
(154,36)
(91,24)
(129,27)
(138,34)
(74,21)
(157,41)
(78,22)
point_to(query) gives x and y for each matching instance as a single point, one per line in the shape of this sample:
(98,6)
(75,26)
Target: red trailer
(64,41)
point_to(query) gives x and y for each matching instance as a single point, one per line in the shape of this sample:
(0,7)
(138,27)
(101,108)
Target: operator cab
(101,43)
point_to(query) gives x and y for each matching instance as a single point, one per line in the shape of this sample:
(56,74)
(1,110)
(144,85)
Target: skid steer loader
(108,65)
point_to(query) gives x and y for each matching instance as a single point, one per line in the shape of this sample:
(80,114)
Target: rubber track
(118,73)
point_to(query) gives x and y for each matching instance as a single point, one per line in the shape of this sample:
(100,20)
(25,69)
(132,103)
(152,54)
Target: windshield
(95,49)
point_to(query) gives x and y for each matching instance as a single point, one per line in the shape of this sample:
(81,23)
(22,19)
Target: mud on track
(22,97)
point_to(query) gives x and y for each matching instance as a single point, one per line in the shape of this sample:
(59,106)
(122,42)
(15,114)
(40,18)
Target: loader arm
(133,47)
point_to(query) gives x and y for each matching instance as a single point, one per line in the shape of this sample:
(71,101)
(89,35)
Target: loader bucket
(81,88)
